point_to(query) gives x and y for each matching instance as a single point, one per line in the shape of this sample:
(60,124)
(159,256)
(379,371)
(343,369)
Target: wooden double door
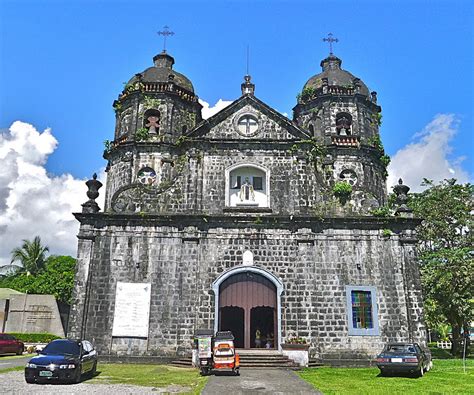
(248,308)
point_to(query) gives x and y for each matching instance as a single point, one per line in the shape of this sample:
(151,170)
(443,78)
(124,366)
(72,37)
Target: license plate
(45,373)
(397,360)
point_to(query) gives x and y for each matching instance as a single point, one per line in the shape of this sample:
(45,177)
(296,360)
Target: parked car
(62,360)
(404,358)
(10,344)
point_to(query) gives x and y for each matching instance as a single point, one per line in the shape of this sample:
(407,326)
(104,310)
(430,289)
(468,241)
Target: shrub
(383,211)
(342,190)
(141,134)
(35,337)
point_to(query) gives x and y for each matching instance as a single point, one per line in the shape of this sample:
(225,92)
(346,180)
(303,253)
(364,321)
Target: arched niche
(247,185)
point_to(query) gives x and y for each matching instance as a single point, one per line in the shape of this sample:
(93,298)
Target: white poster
(132,310)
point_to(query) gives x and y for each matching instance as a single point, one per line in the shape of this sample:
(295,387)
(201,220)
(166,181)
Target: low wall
(34,314)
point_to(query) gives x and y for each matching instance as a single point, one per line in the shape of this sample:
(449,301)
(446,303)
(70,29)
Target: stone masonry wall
(182,264)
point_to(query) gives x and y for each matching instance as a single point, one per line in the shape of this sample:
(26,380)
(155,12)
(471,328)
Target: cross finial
(165,33)
(330,39)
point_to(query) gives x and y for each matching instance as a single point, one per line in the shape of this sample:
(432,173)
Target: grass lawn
(6,357)
(446,377)
(150,375)
(12,369)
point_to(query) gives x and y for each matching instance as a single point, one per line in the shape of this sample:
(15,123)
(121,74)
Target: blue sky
(64,62)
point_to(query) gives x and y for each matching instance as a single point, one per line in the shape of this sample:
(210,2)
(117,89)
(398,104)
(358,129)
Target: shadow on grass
(407,375)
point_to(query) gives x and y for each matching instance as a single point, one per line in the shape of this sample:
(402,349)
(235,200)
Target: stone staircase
(252,359)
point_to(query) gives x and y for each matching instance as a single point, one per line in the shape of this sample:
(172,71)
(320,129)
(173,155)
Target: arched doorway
(248,304)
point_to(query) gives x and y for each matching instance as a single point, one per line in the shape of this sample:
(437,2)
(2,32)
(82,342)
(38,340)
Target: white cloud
(33,202)
(428,156)
(208,112)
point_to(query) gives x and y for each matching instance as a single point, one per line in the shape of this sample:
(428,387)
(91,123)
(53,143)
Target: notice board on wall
(132,310)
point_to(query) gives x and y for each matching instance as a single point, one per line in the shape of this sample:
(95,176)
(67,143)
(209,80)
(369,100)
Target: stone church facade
(247,221)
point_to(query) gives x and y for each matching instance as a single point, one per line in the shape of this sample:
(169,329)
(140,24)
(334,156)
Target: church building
(274,228)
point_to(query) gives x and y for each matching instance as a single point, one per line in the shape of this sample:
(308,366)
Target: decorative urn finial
(247,87)
(401,191)
(93,186)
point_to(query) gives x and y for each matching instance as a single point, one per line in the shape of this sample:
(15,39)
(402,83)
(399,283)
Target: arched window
(343,124)
(151,121)
(247,186)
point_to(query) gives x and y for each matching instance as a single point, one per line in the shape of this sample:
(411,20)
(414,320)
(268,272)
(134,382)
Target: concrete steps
(252,359)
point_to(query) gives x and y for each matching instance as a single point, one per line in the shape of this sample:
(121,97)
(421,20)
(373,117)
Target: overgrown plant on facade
(312,149)
(107,146)
(117,106)
(307,94)
(383,211)
(376,119)
(342,191)
(150,102)
(142,134)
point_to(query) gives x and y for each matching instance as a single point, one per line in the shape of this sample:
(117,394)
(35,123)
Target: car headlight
(31,365)
(70,366)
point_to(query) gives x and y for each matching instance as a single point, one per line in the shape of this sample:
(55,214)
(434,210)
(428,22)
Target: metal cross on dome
(330,39)
(165,33)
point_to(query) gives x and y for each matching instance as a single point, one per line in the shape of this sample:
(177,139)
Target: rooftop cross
(165,33)
(330,40)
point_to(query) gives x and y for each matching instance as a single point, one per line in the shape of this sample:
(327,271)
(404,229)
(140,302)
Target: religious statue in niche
(246,191)
(343,124)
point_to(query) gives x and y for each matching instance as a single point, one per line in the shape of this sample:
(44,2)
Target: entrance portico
(248,298)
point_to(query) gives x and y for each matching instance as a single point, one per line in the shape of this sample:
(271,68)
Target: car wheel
(29,380)
(421,372)
(20,351)
(78,376)
(93,370)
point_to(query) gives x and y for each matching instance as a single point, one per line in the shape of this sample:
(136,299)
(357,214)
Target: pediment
(248,118)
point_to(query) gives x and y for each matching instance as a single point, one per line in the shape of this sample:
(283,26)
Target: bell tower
(155,108)
(339,112)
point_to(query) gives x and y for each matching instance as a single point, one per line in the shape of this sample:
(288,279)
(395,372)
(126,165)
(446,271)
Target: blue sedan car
(62,361)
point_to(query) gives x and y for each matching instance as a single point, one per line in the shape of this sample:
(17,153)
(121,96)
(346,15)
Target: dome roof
(336,76)
(162,71)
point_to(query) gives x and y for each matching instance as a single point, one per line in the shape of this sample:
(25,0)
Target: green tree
(446,254)
(31,254)
(56,278)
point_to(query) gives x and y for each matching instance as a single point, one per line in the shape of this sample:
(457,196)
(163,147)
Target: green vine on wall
(142,134)
(107,146)
(375,142)
(181,140)
(315,151)
(117,106)
(306,95)
(342,191)
(384,159)
(150,102)
(376,119)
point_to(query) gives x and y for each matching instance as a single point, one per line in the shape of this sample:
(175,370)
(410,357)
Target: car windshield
(62,348)
(397,348)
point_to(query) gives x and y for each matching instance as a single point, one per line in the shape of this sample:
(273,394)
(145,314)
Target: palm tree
(31,254)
